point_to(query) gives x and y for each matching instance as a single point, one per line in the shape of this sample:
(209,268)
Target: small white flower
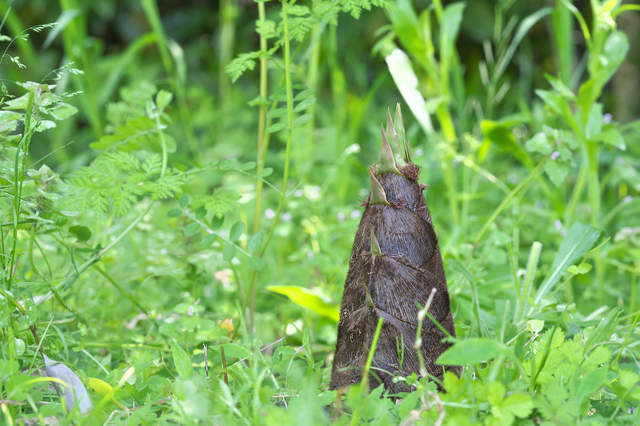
(190,311)
(299,193)
(314,193)
(555,155)
(341,217)
(558,224)
(355,214)
(269,214)
(353,148)
(606,119)
(286,217)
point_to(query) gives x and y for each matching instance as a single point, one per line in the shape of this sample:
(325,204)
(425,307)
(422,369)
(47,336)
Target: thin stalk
(624,345)
(121,290)
(16,28)
(23,146)
(262,116)
(632,302)
(576,195)
(153,16)
(532,264)
(287,63)
(449,133)
(228,11)
(74,36)
(594,201)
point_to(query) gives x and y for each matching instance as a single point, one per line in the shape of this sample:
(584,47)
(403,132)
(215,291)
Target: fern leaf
(221,201)
(244,61)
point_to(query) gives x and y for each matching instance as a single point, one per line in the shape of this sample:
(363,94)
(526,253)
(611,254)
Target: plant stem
(262,116)
(74,37)
(153,16)
(121,290)
(594,201)
(287,71)
(532,264)
(23,146)
(575,196)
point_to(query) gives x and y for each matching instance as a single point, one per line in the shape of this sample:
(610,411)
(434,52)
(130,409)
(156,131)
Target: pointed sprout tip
(378,196)
(375,247)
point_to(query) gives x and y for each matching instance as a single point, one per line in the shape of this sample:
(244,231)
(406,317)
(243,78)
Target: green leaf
(276,127)
(265,172)
(308,299)
(539,143)
(255,242)
(174,213)
(233,350)
(229,164)
(406,80)
(599,355)
(248,166)
(515,405)
(256,263)
(560,87)
(304,94)
(603,331)
(560,106)
(184,201)
(163,99)
(584,268)
(278,112)
(191,229)
(244,62)
(449,28)
(304,104)
(408,403)
(201,212)
(236,231)
(525,25)
(471,351)
(557,171)
(579,241)
(612,136)
(82,233)
(590,383)
(302,119)
(62,111)
(504,138)
(208,240)
(32,312)
(535,326)
(181,360)
(229,253)
(216,222)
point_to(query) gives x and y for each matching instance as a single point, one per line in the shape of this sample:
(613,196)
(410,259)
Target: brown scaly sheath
(395,263)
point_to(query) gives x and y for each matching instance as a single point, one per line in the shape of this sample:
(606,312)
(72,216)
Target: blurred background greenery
(114,43)
(119,45)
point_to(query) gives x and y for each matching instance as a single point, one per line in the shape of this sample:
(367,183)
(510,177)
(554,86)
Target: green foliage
(142,227)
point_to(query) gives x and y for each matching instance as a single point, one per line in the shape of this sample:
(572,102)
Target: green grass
(204,238)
